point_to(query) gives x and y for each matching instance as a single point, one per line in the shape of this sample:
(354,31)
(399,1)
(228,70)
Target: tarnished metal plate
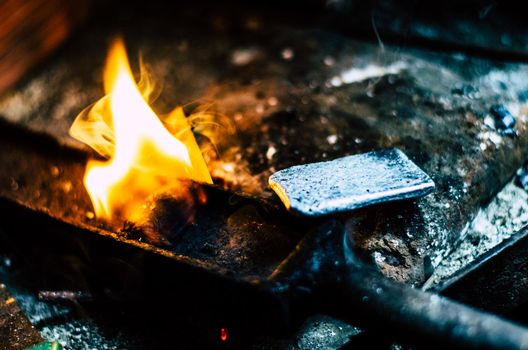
(350,182)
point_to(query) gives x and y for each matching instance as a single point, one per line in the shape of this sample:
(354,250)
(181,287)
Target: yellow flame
(145,158)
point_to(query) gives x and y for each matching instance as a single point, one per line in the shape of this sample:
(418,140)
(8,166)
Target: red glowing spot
(202,196)
(223,334)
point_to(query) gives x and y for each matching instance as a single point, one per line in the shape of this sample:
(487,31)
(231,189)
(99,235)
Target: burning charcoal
(521,178)
(165,217)
(131,231)
(504,120)
(169,216)
(350,182)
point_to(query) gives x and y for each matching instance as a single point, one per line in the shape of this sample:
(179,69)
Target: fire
(145,158)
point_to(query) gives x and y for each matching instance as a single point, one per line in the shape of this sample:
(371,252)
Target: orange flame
(145,158)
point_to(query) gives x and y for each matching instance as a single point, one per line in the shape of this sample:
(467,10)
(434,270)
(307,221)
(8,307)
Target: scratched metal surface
(349,183)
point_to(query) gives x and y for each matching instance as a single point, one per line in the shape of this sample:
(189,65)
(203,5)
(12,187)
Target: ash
(323,332)
(319,332)
(506,214)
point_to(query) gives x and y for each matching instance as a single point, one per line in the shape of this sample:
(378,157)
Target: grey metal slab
(350,182)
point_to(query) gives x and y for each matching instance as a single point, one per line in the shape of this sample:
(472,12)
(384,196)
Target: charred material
(166,216)
(340,93)
(230,233)
(295,95)
(318,270)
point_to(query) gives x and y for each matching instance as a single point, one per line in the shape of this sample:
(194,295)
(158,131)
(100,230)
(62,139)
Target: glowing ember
(223,334)
(145,157)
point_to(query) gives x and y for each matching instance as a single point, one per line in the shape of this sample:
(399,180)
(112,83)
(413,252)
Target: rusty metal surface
(299,95)
(349,183)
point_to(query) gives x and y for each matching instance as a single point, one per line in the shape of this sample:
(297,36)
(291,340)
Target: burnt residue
(296,95)
(248,238)
(238,236)
(396,253)
(43,174)
(166,215)
(445,134)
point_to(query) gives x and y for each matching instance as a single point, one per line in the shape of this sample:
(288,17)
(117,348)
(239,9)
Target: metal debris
(504,120)
(521,178)
(350,182)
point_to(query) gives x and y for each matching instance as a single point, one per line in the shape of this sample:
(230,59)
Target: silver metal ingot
(350,182)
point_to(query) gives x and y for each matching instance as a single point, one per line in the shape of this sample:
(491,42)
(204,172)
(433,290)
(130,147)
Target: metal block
(350,182)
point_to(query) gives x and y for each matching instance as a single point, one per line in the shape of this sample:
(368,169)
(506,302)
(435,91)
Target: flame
(145,157)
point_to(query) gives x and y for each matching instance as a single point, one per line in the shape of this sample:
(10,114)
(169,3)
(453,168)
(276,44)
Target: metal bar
(420,318)
(325,272)
(350,182)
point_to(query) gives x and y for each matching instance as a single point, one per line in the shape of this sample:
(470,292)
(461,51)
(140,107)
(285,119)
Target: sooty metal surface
(296,94)
(351,182)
